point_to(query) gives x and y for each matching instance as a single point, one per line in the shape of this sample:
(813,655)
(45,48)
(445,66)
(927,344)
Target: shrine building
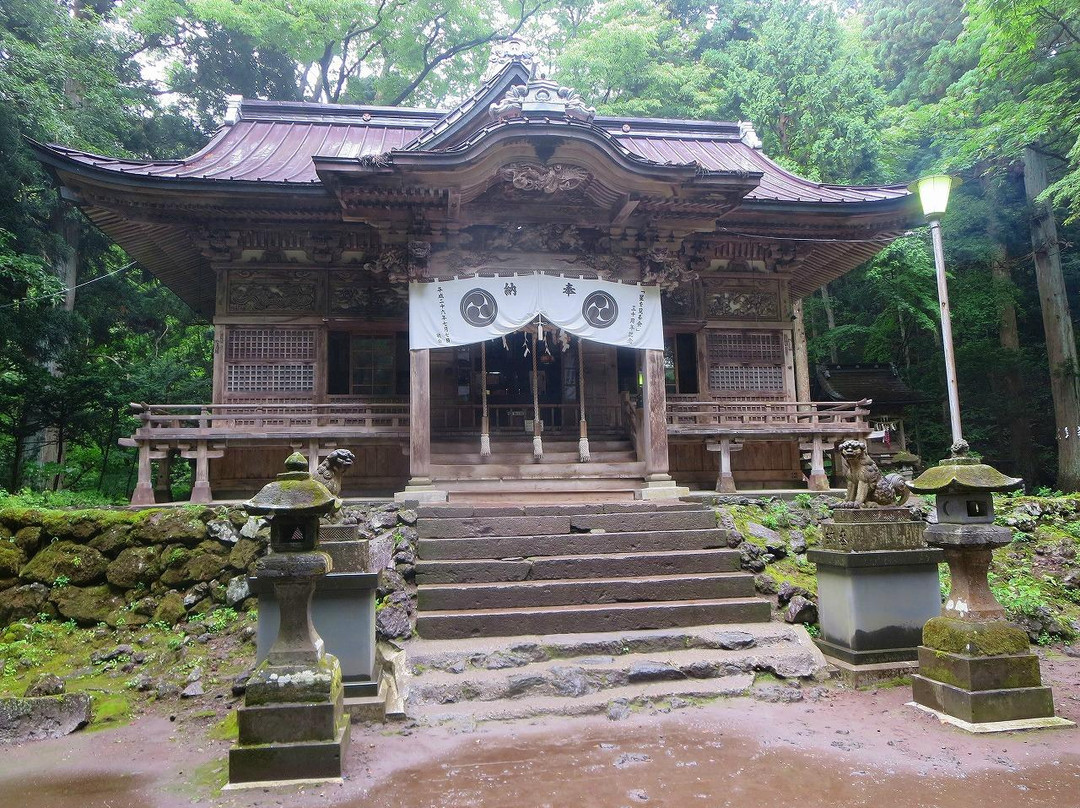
(513,298)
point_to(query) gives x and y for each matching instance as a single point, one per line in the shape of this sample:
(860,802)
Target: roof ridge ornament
(232,109)
(748,135)
(542,98)
(513,49)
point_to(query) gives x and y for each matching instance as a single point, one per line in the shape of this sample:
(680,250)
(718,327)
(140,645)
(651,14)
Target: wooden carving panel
(742,299)
(253,291)
(682,303)
(352,296)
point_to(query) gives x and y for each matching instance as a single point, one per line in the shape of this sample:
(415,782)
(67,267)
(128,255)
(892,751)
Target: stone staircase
(488,571)
(612,474)
(527,610)
(613,673)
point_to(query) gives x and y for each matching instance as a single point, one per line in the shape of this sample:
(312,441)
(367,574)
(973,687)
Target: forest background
(849,91)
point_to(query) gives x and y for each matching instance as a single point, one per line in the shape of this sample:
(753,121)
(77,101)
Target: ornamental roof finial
(511,50)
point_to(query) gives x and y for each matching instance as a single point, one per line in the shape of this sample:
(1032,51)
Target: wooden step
(516,594)
(521,456)
(589,618)
(524,443)
(603,565)
(492,494)
(547,488)
(537,470)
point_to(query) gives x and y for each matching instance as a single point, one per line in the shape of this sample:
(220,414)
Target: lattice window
(747,363)
(262,378)
(723,378)
(270,345)
(745,346)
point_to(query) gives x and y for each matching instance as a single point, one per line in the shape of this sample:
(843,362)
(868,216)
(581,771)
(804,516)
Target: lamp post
(934,195)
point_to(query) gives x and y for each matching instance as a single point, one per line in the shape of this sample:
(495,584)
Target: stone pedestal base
(306,761)
(872,605)
(292,725)
(980,672)
(421,491)
(661,489)
(855,529)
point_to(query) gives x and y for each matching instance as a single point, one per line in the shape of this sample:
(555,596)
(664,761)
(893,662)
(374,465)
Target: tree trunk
(1057,322)
(830,322)
(1008,383)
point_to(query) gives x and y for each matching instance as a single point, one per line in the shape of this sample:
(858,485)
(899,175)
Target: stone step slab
(566,544)
(613,702)
(608,565)
(538,525)
(441,511)
(589,618)
(500,595)
(584,676)
(498,653)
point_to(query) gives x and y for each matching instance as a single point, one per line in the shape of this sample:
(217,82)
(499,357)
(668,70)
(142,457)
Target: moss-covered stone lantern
(294,502)
(976,669)
(292,725)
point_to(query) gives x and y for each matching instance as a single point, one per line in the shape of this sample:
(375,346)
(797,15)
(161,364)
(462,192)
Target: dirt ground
(834,747)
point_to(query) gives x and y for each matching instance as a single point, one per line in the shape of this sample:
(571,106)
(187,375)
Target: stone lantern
(976,669)
(292,725)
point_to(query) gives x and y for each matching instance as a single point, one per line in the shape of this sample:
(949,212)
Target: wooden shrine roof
(274,143)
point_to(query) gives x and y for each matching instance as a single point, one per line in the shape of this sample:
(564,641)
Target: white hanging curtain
(469,310)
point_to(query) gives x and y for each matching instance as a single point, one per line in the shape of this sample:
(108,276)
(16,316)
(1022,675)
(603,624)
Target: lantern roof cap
(294,492)
(961,474)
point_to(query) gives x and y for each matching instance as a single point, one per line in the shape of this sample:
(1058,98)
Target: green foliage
(220,619)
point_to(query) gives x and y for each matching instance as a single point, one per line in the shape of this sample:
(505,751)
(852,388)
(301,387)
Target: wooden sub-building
(299,227)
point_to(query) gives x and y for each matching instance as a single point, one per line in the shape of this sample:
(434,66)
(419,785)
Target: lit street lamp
(934,195)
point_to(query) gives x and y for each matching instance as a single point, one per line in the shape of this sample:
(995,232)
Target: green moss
(991,638)
(227,729)
(110,710)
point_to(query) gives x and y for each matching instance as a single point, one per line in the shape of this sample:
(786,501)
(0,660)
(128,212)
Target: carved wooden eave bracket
(546,156)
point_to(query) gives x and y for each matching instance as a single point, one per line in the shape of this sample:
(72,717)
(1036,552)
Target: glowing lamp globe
(933,192)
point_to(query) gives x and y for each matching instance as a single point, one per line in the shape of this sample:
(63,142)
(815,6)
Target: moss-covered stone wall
(123,567)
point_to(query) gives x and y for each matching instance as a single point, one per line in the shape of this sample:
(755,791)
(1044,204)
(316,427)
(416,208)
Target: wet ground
(834,748)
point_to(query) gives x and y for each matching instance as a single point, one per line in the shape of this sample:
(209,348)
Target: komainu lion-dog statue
(866,484)
(333,468)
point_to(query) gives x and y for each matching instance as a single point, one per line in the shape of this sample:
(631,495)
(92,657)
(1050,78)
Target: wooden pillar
(654,398)
(802,359)
(420,417)
(819,481)
(725,481)
(200,491)
(162,482)
(144,490)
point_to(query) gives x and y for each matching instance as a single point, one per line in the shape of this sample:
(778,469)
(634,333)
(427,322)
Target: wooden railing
(227,420)
(513,417)
(692,415)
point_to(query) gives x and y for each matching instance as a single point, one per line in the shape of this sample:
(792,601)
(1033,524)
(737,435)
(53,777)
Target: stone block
(348,556)
(311,760)
(872,605)
(864,529)
(984,706)
(288,723)
(980,672)
(41,717)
